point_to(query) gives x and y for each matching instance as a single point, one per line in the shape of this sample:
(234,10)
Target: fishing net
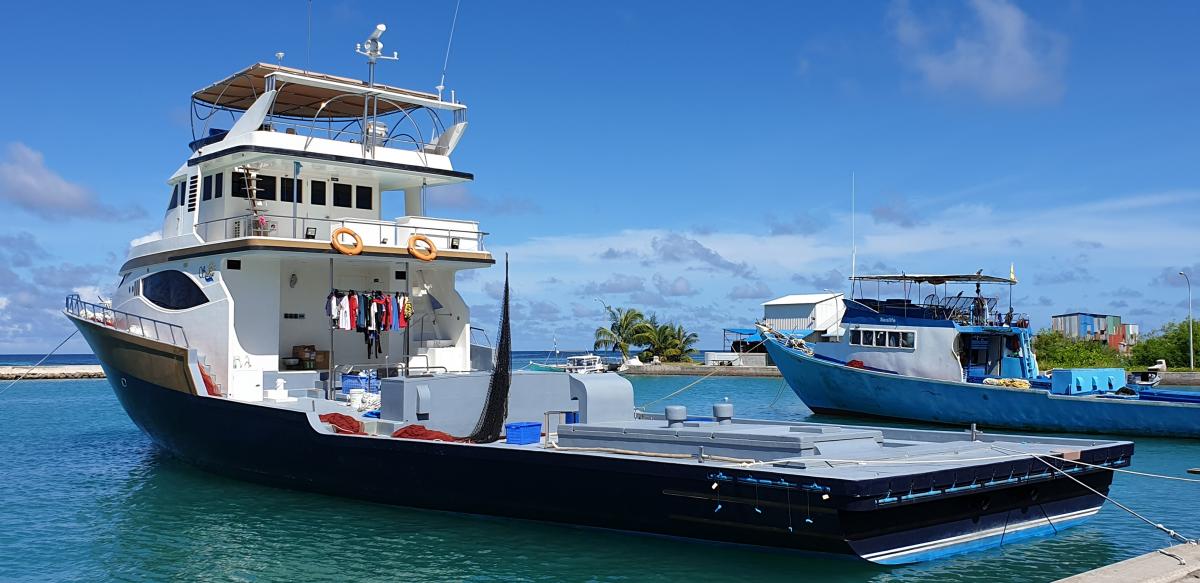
(495,408)
(422,432)
(343,423)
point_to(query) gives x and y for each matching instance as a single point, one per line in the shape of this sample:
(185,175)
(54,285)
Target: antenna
(853,240)
(372,49)
(446,63)
(308,42)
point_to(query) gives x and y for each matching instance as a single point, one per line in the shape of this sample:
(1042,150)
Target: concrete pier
(701,370)
(1190,379)
(83,371)
(1178,563)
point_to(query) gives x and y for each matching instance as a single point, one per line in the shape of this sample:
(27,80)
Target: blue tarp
(752,334)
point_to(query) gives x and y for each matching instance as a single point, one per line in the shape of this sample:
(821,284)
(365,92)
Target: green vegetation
(669,342)
(1169,343)
(629,328)
(621,330)
(1057,351)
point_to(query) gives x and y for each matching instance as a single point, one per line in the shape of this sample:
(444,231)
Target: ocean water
(86,497)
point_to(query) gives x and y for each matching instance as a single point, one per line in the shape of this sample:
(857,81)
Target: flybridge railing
(372,232)
(126,322)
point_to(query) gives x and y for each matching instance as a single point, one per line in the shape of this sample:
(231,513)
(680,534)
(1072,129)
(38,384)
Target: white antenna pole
(308,46)
(446,63)
(853,240)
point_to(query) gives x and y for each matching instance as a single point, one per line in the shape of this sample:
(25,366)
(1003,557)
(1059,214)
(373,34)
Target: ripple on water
(88,497)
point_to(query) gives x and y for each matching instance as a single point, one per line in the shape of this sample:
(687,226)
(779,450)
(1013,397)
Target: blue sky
(687,158)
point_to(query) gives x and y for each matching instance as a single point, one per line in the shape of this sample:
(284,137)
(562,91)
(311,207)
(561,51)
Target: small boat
(955,360)
(581,364)
(1150,377)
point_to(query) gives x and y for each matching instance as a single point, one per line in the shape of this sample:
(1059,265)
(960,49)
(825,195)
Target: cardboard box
(304,351)
(322,360)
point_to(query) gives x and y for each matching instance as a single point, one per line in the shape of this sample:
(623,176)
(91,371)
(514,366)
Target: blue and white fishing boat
(956,359)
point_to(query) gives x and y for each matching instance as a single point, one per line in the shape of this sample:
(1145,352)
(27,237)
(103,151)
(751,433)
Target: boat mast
(853,240)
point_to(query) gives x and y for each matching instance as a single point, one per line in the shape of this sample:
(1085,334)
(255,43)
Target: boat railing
(126,322)
(445,233)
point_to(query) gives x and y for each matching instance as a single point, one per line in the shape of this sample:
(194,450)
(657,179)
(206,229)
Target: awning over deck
(309,94)
(752,335)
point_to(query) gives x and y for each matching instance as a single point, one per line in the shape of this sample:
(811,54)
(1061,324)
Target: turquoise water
(86,497)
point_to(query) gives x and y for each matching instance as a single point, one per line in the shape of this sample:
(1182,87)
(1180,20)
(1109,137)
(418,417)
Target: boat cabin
(276,220)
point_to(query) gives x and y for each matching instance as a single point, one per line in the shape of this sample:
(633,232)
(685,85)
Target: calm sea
(87,497)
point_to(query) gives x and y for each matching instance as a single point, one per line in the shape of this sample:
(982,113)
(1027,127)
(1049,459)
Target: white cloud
(1002,56)
(26,182)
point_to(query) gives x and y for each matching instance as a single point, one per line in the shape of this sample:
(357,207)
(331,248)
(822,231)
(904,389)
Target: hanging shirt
(353,315)
(343,314)
(395,311)
(331,309)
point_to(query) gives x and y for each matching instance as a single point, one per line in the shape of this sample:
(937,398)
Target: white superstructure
(245,264)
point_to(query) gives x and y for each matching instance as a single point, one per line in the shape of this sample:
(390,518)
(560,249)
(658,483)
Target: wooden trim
(319,247)
(124,354)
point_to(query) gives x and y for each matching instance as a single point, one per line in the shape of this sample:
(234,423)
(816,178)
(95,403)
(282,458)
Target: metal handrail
(125,321)
(278,223)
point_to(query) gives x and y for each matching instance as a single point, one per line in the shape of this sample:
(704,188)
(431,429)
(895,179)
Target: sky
(689,159)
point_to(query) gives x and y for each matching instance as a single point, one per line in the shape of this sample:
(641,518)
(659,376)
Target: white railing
(446,234)
(126,322)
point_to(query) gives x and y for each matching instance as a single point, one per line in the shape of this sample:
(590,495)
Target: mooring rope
(1170,532)
(701,379)
(39,363)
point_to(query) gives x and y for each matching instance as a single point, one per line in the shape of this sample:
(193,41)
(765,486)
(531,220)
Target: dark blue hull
(964,509)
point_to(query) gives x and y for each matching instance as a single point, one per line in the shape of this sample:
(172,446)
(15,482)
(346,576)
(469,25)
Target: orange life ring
(427,254)
(334,240)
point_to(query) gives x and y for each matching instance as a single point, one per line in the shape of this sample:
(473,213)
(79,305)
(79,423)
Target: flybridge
(319,106)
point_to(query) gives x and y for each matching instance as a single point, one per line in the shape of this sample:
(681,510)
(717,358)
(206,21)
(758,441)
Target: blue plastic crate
(523,432)
(352,381)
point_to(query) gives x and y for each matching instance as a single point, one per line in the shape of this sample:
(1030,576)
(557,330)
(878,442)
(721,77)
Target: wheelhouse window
(289,187)
(267,187)
(172,290)
(317,192)
(341,195)
(218,185)
(363,197)
(206,188)
(883,338)
(240,186)
(174,197)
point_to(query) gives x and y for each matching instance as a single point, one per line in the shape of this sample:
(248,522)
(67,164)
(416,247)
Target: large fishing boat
(956,358)
(282,331)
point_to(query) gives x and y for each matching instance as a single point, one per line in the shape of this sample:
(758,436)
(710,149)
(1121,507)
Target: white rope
(1171,533)
(701,379)
(39,363)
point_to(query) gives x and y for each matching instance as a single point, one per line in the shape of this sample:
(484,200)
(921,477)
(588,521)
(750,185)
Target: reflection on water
(87,497)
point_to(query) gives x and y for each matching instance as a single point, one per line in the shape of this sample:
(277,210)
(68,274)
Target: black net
(495,408)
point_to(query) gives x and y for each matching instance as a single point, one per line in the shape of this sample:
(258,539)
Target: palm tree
(619,335)
(669,342)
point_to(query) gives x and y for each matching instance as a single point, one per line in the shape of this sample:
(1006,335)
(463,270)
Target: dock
(1186,379)
(701,370)
(42,373)
(1177,563)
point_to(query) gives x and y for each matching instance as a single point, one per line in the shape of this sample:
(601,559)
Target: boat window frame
(195,291)
(906,338)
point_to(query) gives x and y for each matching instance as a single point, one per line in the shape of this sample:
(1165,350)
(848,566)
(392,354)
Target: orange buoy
(427,253)
(335,241)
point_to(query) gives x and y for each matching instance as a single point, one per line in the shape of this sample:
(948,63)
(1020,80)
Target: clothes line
(370,313)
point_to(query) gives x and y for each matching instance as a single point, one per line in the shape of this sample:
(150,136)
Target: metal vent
(191,199)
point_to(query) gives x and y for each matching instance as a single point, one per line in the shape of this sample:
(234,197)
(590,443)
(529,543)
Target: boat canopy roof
(313,95)
(936,279)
